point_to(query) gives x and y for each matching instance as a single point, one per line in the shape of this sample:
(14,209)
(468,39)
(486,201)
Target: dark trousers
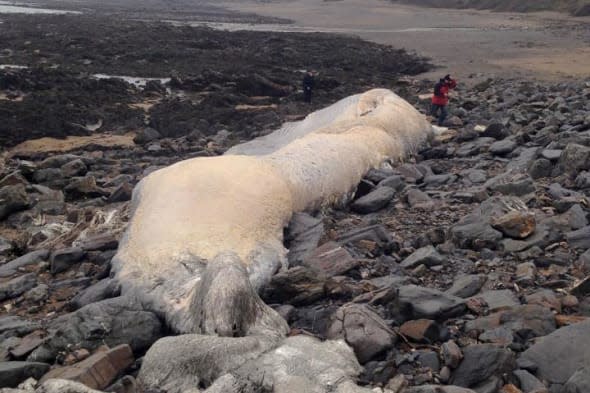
(307,95)
(443,113)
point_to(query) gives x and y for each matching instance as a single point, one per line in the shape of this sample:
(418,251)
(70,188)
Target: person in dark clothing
(440,98)
(308,83)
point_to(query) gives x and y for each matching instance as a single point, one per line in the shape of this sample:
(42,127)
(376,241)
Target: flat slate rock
(10,268)
(430,303)
(424,256)
(467,285)
(373,201)
(568,347)
(499,299)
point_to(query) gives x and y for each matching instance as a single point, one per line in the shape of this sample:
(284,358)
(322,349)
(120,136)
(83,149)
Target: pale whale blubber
(233,209)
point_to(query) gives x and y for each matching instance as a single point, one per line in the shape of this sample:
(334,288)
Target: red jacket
(441,92)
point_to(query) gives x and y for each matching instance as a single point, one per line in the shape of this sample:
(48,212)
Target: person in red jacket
(440,98)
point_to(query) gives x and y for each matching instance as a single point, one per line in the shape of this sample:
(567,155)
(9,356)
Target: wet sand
(466,43)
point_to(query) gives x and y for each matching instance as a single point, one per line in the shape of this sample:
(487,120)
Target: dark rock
(579,239)
(48,175)
(37,294)
(373,201)
(104,289)
(31,258)
(552,155)
(420,302)
(427,256)
(17,286)
(363,330)
(528,382)
(74,168)
(28,343)
(297,286)
(567,347)
(16,326)
(121,194)
(13,373)
(302,237)
(437,389)
(473,233)
(429,359)
(112,322)
(84,187)
(540,168)
(57,161)
(579,382)
(582,288)
(395,181)
(583,180)
(467,285)
(511,184)
(12,200)
(498,299)
(481,362)
(437,181)
(501,336)
(419,200)
(61,260)
(526,273)
(501,148)
(496,131)
(146,135)
(377,234)
(13,179)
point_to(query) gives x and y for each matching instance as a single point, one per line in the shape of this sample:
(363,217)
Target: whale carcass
(207,233)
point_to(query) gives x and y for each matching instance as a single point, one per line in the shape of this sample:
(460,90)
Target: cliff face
(575,7)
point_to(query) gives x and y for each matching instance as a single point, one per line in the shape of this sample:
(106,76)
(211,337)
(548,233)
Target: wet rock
(419,200)
(99,370)
(374,201)
(501,148)
(579,382)
(17,286)
(515,224)
(13,373)
(302,237)
(574,159)
(480,362)
(146,135)
(104,289)
(427,256)
(12,200)
(363,330)
(62,260)
(528,382)
(567,347)
(466,285)
(579,239)
(74,168)
(496,131)
(421,330)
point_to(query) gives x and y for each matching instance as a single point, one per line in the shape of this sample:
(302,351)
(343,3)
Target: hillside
(575,7)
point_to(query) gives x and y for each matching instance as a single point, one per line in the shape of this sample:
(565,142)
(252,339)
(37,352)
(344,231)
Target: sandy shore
(464,42)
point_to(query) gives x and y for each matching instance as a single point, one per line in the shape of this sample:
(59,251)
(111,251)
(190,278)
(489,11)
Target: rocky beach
(464,268)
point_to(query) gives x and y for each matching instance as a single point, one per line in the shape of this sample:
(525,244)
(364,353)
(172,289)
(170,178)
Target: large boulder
(13,373)
(562,353)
